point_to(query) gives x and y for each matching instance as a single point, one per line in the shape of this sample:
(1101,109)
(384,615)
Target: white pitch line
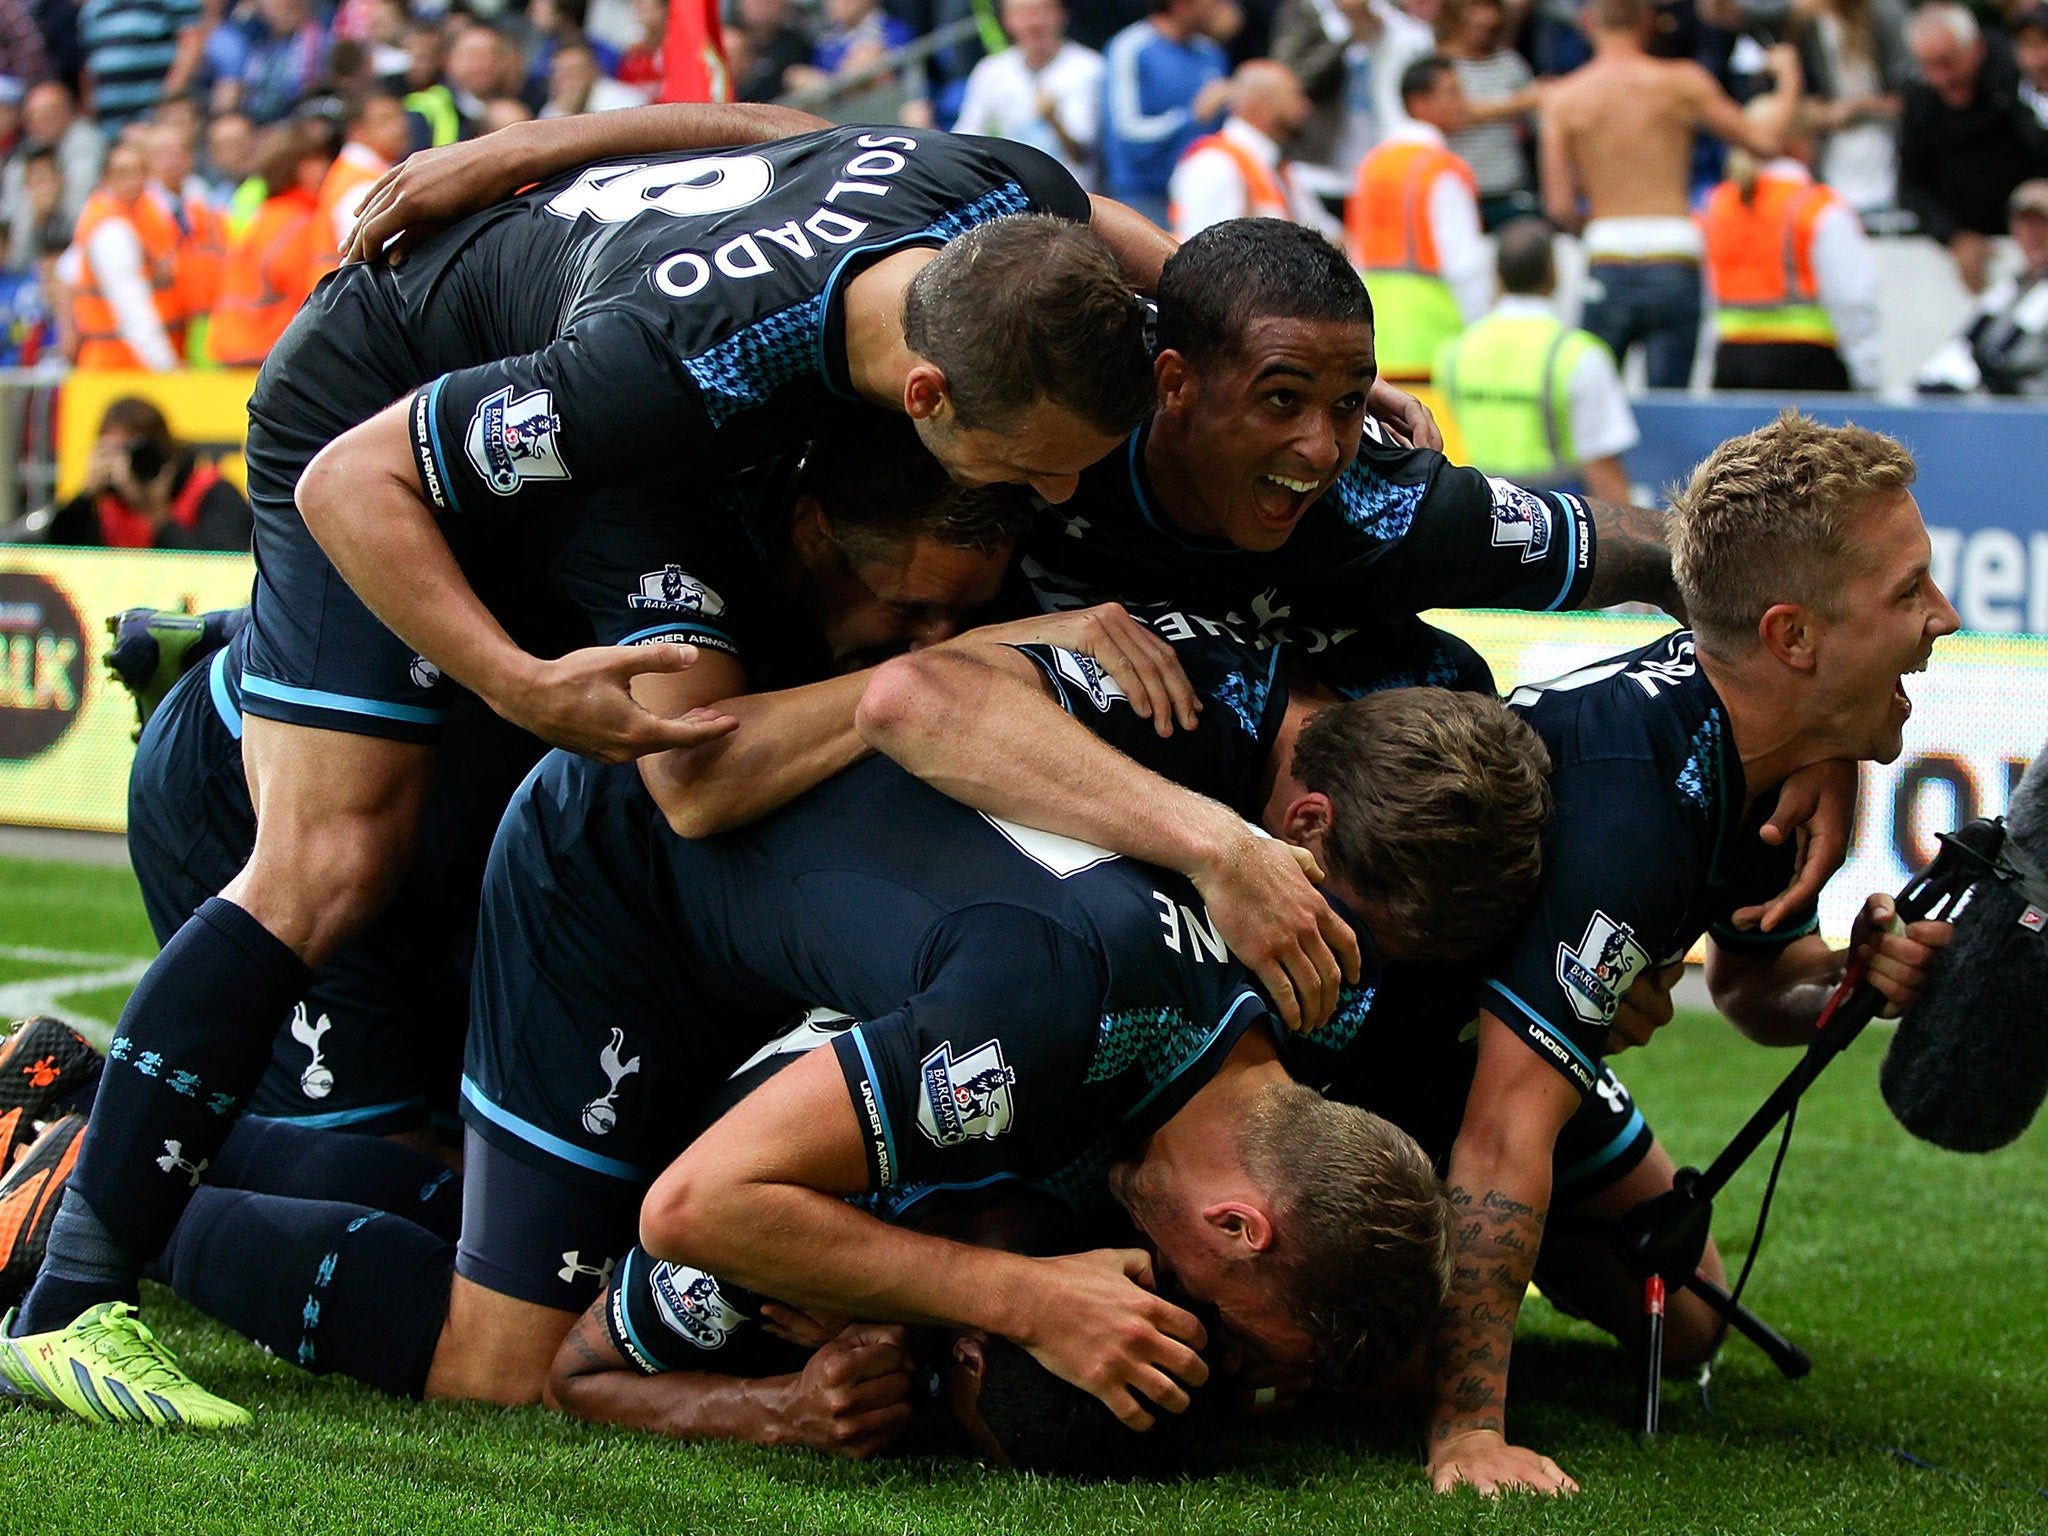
(46,994)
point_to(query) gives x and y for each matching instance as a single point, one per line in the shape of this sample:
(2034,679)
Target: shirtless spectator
(1642,244)
(1966,139)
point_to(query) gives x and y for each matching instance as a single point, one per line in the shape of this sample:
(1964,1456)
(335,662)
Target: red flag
(693,55)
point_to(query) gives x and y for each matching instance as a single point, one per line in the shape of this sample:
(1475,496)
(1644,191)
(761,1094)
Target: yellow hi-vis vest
(1507,382)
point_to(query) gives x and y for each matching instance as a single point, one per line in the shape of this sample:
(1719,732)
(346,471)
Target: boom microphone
(1968,1067)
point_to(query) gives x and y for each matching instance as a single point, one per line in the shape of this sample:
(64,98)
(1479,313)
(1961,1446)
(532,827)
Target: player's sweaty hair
(1772,517)
(881,491)
(1437,806)
(1362,1228)
(1032,308)
(1243,270)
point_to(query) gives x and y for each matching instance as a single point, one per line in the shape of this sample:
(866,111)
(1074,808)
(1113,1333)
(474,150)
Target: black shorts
(318,657)
(592,1052)
(376,1046)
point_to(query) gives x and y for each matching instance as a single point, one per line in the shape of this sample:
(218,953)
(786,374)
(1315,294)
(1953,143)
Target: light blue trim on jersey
(319,698)
(1222,1024)
(533,1135)
(434,443)
(1548,1028)
(1606,1155)
(624,1311)
(680,627)
(867,1063)
(1571,564)
(345,1116)
(224,703)
(1153,520)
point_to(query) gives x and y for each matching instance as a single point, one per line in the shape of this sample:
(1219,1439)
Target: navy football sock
(279,1157)
(321,1283)
(193,1042)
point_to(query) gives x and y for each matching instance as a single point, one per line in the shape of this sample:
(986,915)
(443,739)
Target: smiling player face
(1890,613)
(1243,447)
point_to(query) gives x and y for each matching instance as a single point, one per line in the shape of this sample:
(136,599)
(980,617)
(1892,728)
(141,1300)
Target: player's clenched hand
(1097,1325)
(1898,957)
(1645,1008)
(853,1396)
(1407,415)
(1260,893)
(1817,805)
(1143,664)
(1484,1460)
(424,193)
(584,702)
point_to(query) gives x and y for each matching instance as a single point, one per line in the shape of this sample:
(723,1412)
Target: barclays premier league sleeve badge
(1596,975)
(1521,520)
(969,1099)
(513,441)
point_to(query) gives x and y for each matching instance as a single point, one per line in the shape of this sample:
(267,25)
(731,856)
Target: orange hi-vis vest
(1386,221)
(202,252)
(99,331)
(1759,261)
(1265,193)
(1388,234)
(346,184)
(266,279)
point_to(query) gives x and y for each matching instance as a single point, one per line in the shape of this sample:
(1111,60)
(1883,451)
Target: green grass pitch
(1915,1278)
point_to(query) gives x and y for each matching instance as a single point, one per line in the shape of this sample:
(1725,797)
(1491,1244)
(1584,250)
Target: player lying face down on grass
(1032,1018)
(1805,567)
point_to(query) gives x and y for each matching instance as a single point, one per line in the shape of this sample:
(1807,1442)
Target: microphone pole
(1662,1240)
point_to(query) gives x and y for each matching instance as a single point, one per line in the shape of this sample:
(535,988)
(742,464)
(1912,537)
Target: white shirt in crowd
(1208,186)
(1602,424)
(118,266)
(1373,87)
(1002,101)
(1463,260)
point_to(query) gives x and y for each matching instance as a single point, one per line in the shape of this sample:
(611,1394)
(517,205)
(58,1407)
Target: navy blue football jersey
(1650,846)
(1243,690)
(669,316)
(1030,1003)
(1403,530)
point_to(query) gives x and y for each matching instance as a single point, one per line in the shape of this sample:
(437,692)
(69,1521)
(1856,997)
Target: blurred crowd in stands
(177,173)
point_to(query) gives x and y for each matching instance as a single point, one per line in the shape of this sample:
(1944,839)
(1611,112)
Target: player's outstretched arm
(851,1399)
(787,742)
(361,500)
(975,721)
(758,1200)
(1631,560)
(435,187)
(1774,996)
(1500,1186)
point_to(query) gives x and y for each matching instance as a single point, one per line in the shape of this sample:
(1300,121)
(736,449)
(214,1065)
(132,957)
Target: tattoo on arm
(1475,1331)
(1631,562)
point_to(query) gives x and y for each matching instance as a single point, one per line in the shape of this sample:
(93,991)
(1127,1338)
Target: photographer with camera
(146,490)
